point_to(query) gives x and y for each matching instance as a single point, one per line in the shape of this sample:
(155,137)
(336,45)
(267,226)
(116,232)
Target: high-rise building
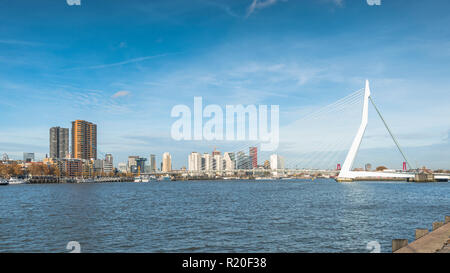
(166,162)
(230,163)
(140,165)
(276,162)
(195,162)
(97,166)
(152,163)
(253,152)
(108,164)
(243,161)
(28,157)
(206,162)
(122,167)
(132,163)
(217,162)
(59,142)
(84,140)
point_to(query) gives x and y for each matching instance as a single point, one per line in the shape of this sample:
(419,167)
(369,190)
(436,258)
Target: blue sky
(124,64)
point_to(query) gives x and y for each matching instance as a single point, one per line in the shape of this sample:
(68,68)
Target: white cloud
(259,4)
(135,60)
(21,43)
(120,94)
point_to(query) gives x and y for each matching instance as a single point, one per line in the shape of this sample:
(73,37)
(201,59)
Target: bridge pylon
(345,174)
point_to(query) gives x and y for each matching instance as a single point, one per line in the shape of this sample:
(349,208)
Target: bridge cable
(390,132)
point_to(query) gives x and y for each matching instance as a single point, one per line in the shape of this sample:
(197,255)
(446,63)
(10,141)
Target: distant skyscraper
(98,166)
(218,162)
(28,157)
(140,165)
(195,162)
(253,151)
(276,162)
(122,167)
(132,163)
(152,163)
(167,162)
(59,142)
(108,164)
(84,140)
(230,163)
(206,162)
(243,161)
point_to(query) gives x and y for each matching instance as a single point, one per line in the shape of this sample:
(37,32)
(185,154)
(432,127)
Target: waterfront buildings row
(230,161)
(74,153)
(137,164)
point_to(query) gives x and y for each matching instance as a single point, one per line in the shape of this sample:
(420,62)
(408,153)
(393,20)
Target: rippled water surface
(213,216)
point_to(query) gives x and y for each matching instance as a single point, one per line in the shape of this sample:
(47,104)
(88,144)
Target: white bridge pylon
(346,173)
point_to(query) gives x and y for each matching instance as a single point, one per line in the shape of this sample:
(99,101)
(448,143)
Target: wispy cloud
(338,2)
(259,4)
(22,43)
(223,7)
(135,60)
(120,94)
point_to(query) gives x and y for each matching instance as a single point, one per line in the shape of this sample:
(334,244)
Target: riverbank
(436,241)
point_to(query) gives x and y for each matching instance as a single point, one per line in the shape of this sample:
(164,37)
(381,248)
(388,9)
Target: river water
(217,216)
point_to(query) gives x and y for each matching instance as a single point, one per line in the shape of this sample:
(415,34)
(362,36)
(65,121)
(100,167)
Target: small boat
(144,178)
(137,179)
(85,180)
(3,182)
(165,178)
(263,178)
(287,178)
(17,181)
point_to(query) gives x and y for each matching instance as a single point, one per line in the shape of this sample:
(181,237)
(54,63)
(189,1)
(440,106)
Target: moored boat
(144,178)
(165,178)
(17,181)
(3,182)
(85,180)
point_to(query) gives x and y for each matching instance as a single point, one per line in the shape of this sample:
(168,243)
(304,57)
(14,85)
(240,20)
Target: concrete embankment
(54,179)
(436,241)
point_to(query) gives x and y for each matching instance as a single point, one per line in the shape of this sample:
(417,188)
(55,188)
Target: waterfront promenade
(437,241)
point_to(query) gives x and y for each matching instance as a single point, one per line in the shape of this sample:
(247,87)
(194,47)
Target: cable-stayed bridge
(347,174)
(317,143)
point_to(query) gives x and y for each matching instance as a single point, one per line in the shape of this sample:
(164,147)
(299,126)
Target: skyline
(63,63)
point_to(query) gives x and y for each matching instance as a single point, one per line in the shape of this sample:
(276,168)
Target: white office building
(217,162)
(166,162)
(230,164)
(195,162)
(122,167)
(207,162)
(276,162)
